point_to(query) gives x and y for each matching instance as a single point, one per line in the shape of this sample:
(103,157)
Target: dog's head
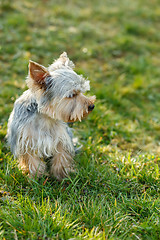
(59,90)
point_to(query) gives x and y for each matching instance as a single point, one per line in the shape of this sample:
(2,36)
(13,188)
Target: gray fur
(23,113)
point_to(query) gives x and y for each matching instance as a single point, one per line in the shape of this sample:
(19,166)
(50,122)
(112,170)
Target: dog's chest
(47,134)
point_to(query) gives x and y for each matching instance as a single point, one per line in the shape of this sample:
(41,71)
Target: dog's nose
(91,107)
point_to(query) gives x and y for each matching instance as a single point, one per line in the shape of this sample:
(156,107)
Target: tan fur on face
(70,109)
(81,107)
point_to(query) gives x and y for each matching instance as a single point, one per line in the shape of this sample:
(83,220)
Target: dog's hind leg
(61,163)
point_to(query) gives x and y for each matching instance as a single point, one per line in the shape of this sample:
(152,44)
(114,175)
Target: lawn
(115,192)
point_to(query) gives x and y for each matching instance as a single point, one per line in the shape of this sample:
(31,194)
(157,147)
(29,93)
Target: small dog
(38,132)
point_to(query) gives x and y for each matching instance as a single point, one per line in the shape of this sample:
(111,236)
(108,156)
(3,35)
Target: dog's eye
(72,95)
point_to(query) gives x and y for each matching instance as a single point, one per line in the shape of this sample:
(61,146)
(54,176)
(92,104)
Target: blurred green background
(113,43)
(116,44)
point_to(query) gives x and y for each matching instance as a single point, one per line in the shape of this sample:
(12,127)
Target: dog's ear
(61,62)
(65,60)
(38,73)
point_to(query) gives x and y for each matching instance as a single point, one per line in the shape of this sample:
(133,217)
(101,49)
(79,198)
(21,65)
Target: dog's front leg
(32,164)
(61,163)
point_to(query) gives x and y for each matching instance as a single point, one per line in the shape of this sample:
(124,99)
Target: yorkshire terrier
(37,128)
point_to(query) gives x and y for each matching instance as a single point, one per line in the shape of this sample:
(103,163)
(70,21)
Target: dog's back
(23,113)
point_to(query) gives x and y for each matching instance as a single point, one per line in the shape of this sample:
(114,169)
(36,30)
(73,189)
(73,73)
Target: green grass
(115,192)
